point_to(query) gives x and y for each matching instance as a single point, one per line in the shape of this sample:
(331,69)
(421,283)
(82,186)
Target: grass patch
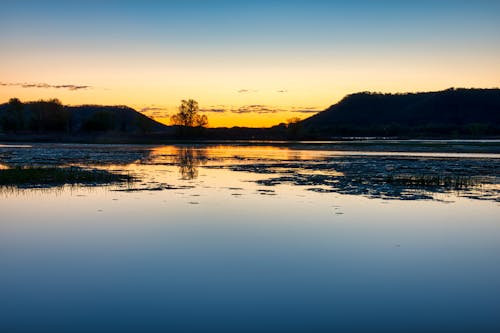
(58,176)
(451,182)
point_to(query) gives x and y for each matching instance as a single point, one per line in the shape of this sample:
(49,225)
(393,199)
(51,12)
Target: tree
(13,120)
(293,121)
(293,126)
(49,115)
(188,115)
(200,121)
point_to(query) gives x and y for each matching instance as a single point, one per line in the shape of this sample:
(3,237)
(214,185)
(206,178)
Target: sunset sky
(251,63)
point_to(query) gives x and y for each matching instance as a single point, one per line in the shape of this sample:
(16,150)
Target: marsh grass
(426,180)
(58,176)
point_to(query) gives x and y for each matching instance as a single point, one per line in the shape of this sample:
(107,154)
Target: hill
(448,113)
(453,113)
(53,117)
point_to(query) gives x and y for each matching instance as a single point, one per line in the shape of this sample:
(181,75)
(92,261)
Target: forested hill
(452,112)
(52,116)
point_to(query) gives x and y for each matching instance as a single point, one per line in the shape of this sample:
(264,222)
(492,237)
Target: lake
(373,236)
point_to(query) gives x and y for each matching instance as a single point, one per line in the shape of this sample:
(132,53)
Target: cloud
(247,91)
(256,108)
(305,111)
(157,114)
(155,111)
(214,110)
(71,87)
(152,108)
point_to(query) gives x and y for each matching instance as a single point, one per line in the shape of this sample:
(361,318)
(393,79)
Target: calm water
(253,239)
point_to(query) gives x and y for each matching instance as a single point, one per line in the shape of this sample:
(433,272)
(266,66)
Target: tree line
(52,116)
(40,116)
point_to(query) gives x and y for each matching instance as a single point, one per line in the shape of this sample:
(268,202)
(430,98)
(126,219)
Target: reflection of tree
(189,159)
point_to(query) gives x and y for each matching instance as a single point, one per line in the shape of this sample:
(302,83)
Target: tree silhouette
(293,127)
(188,115)
(200,121)
(13,120)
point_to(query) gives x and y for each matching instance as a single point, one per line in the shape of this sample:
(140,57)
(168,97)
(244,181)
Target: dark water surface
(255,238)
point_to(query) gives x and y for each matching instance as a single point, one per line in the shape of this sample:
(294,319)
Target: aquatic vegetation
(58,176)
(382,174)
(394,177)
(424,180)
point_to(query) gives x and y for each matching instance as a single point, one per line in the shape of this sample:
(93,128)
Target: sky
(247,63)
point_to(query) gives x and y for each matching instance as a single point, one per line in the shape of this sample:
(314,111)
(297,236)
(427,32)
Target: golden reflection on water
(190,158)
(237,152)
(393,175)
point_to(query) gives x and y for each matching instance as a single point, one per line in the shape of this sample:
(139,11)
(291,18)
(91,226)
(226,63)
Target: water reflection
(252,238)
(189,159)
(394,177)
(390,176)
(72,154)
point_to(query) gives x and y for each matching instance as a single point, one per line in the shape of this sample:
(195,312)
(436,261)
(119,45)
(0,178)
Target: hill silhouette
(452,112)
(53,117)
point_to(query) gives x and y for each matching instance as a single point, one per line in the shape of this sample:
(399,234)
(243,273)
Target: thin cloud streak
(214,110)
(155,111)
(152,108)
(305,111)
(70,87)
(247,91)
(258,109)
